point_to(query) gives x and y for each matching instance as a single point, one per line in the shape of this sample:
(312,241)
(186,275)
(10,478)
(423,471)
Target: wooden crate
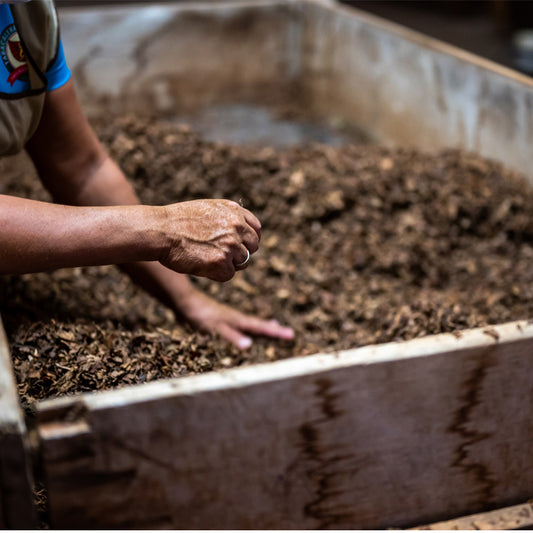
(398,86)
(16,506)
(382,436)
(396,435)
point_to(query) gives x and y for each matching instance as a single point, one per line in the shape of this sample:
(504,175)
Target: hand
(209,238)
(213,317)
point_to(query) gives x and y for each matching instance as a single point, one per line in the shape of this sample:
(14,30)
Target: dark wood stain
(326,465)
(463,425)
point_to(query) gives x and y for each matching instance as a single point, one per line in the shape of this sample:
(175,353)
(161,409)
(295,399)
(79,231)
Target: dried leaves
(360,245)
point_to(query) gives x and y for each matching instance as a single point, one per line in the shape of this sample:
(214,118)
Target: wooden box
(395,435)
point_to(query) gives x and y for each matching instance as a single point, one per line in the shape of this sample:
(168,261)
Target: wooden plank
(238,52)
(514,517)
(397,85)
(16,500)
(383,436)
(407,89)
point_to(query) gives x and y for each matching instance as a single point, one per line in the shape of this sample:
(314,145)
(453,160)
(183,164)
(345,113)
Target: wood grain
(382,436)
(16,502)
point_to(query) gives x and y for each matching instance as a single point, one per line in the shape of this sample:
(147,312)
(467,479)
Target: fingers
(224,269)
(250,237)
(250,230)
(234,336)
(242,258)
(232,325)
(250,233)
(210,238)
(234,331)
(253,222)
(251,243)
(250,240)
(269,328)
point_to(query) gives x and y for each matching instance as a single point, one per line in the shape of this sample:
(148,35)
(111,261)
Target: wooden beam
(383,436)
(16,500)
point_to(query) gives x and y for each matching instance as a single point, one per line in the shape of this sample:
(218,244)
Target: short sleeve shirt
(14,79)
(32,63)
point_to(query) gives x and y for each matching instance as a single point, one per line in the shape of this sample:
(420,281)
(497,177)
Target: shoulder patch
(12,55)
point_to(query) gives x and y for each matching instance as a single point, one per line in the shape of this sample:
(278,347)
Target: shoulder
(38,27)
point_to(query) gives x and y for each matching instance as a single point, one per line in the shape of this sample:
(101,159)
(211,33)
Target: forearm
(108,186)
(171,288)
(38,236)
(211,238)
(104,184)
(205,238)
(76,169)
(88,177)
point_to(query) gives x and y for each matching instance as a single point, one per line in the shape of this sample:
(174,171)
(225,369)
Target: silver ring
(245,261)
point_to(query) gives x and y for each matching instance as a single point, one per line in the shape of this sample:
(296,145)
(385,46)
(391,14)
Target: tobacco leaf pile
(360,245)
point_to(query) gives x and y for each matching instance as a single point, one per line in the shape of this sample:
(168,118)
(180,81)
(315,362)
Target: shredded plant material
(360,245)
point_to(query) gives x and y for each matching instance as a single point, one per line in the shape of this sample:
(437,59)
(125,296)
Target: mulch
(360,245)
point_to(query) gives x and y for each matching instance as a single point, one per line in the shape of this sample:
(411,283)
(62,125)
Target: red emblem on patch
(13,55)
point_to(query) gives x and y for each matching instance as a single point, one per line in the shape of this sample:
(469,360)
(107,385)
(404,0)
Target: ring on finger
(245,261)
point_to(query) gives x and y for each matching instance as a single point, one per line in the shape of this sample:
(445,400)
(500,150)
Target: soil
(360,245)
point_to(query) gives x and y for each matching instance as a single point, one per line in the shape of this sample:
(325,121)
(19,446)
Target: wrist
(160,236)
(152,234)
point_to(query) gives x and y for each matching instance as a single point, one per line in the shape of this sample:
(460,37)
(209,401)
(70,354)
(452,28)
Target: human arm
(204,237)
(76,169)
(38,236)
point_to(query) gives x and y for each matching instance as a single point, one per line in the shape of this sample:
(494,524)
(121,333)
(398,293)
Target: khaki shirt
(37,25)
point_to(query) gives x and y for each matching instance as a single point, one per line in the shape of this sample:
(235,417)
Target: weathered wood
(382,436)
(514,517)
(16,501)
(389,436)
(234,51)
(407,89)
(399,86)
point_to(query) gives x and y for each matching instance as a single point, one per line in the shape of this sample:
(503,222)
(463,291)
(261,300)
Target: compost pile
(360,245)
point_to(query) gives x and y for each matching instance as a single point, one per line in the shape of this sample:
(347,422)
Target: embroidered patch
(13,55)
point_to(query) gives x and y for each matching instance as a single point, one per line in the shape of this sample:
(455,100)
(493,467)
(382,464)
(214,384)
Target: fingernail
(244,343)
(289,333)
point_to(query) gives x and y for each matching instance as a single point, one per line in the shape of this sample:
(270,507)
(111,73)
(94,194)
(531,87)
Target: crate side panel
(394,443)
(16,501)
(396,85)
(174,59)
(407,89)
